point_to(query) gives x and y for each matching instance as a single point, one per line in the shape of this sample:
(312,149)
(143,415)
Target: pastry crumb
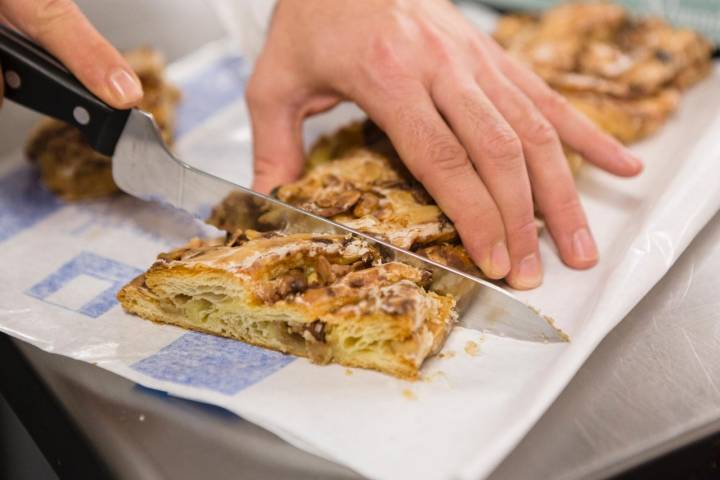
(472,348)
(409,394)
(348,372)
(551,321)
(444,355)
(431,377)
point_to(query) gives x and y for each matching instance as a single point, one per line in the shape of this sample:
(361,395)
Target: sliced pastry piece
(326,297)
(365,191)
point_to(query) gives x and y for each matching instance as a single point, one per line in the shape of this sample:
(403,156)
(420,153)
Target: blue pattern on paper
(206,361)
(86,263)
(23,201)
(210,91)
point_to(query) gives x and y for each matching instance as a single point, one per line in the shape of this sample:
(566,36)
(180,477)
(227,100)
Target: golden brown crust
(326,297)
(73,170)
(364,192)
(624,73)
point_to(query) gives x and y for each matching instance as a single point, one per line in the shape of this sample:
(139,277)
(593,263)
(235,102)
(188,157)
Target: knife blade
(144,167)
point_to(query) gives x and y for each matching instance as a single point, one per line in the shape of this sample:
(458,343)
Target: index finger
(60,27)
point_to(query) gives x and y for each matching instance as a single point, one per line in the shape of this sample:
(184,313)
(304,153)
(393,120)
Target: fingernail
(584,248)
(499,260)
(529,274)
(634,161)
(126,87)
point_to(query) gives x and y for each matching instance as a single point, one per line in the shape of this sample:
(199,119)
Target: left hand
(480,131)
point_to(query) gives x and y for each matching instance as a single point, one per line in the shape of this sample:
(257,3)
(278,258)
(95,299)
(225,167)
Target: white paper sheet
(62,265)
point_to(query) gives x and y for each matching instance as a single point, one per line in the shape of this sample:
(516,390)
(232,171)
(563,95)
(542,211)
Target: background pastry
(625,73)
(73,170)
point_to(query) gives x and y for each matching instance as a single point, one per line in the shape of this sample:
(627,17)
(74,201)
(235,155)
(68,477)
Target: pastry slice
(326,297)
(366,191)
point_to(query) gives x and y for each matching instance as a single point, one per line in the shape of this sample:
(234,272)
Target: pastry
(363,191)
(326,297)
(73,170)
(625,73)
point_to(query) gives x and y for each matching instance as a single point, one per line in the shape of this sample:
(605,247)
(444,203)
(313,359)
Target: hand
(480,131)
(60,27)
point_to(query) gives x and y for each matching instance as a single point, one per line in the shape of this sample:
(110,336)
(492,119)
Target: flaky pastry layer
(325,297)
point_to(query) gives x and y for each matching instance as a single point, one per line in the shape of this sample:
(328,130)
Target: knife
(144,167)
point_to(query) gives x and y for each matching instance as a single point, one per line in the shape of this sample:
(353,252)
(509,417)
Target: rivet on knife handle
(35,79)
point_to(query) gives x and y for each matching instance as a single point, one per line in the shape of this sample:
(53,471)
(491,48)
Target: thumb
(277,146)
(60,27)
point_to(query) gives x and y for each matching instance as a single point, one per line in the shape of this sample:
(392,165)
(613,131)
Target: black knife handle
(37,80)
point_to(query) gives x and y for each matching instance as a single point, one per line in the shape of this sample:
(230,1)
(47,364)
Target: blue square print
(23,201)
(210,91)
(215,363)
(111,272)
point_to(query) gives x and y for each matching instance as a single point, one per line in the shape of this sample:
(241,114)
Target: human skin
(479,130)
(62,29)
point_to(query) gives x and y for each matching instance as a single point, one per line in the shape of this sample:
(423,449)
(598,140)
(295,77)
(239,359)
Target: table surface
(651,386)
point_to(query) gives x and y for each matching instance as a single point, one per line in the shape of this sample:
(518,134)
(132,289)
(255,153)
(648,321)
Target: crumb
(431,377)
(472,348)
(141,418)
(448,354)
(551,321)
(348,372)
(409,394)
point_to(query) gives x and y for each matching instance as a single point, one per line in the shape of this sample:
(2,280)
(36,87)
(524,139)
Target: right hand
(62,29)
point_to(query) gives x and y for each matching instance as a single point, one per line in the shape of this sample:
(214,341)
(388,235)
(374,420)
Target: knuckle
(479,225)
(47,13)
(253,91)
(478,112)
(502,145)
(552,101)
(540,133)
(524,228)
(383,66)
(438,152)
(267,165)
(447,157)
(567,208)
(258,95)
(435,42)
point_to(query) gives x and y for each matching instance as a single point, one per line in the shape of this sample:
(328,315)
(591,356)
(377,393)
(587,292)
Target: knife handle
(37,80)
